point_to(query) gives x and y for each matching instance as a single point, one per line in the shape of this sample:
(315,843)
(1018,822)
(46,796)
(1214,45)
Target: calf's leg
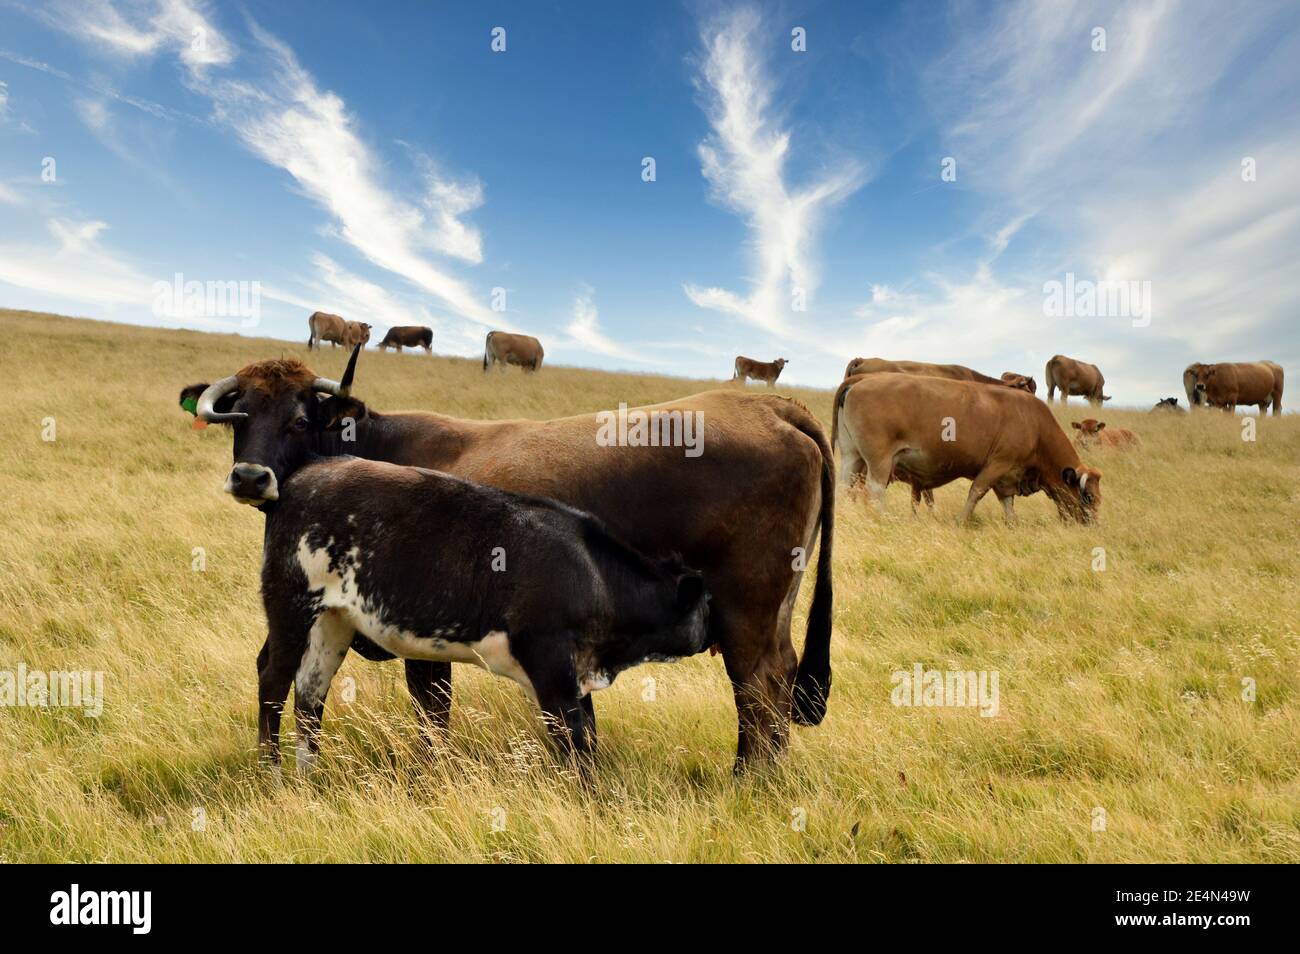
(548,662)
(327,644)
(430,686)
(276,664)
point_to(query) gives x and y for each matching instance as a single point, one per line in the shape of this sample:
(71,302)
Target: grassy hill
(1120,689)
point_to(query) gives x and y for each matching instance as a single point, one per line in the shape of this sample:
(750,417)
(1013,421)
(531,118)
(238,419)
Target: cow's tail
(311,331)
(838,403)
(812,681)
(487,349)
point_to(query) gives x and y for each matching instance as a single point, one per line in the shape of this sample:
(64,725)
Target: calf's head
(1088,429)
(660,609)
(278,412)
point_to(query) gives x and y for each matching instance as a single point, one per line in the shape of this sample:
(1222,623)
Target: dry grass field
(1120,689)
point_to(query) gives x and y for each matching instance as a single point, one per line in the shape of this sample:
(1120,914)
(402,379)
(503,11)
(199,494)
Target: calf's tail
(487,349)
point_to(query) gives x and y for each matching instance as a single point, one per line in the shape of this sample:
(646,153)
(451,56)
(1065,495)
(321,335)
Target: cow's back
(761,455)
(892,410)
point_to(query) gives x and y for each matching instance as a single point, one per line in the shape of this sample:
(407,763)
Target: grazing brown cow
(1228,385)
(762,488)
(1075,377)
(767,371)
(408,336)
(523,350)
(336,330)
(1094,433)
(929,431)
(1021,381)
(953,372)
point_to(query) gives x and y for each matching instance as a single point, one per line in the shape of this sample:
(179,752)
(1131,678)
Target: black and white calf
(429,566)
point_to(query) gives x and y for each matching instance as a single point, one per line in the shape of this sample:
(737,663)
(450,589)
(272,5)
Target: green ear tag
(191,404)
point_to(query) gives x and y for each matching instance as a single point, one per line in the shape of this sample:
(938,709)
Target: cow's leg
(879,472)
(978,488)
(761,663)
(1008,507)
(852,466)
(929,499)
(430,686)
(327,644)
(276,664)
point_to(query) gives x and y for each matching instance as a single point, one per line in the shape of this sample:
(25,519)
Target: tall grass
(1120,689)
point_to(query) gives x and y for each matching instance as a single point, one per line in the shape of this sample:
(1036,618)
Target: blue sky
(381,161)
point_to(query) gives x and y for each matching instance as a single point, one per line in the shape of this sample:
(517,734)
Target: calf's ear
(334,411)
(1070,477)
(690,590)
(1077,426)
(1101,425)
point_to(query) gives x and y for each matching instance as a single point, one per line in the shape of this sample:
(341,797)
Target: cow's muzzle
(252,484)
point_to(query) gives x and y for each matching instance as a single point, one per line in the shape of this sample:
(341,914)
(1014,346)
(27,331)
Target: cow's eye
(300,423)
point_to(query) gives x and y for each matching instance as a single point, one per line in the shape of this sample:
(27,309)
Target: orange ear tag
(199,424)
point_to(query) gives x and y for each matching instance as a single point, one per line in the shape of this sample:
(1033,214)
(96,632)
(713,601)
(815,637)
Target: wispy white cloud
(744,160)
(143,28)
(584,332)
(277,110)
(75,265)
(291,123)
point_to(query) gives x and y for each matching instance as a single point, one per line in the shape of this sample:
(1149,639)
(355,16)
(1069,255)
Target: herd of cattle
(546,556)
(500,346)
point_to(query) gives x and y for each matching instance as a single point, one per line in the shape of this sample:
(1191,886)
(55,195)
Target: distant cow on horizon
(1228,385)
(767,371)
(408,336)
(337,331)
(507,348)
(1077,378)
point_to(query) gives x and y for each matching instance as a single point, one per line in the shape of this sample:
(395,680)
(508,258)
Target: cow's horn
(213,393)
(351,369)
(340,388)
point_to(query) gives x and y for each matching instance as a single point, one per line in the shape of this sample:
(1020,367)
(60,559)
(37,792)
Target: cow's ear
(1077,426)
(189,399)
(1101,425)
(690,590)
(335,411)
(1070,477)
